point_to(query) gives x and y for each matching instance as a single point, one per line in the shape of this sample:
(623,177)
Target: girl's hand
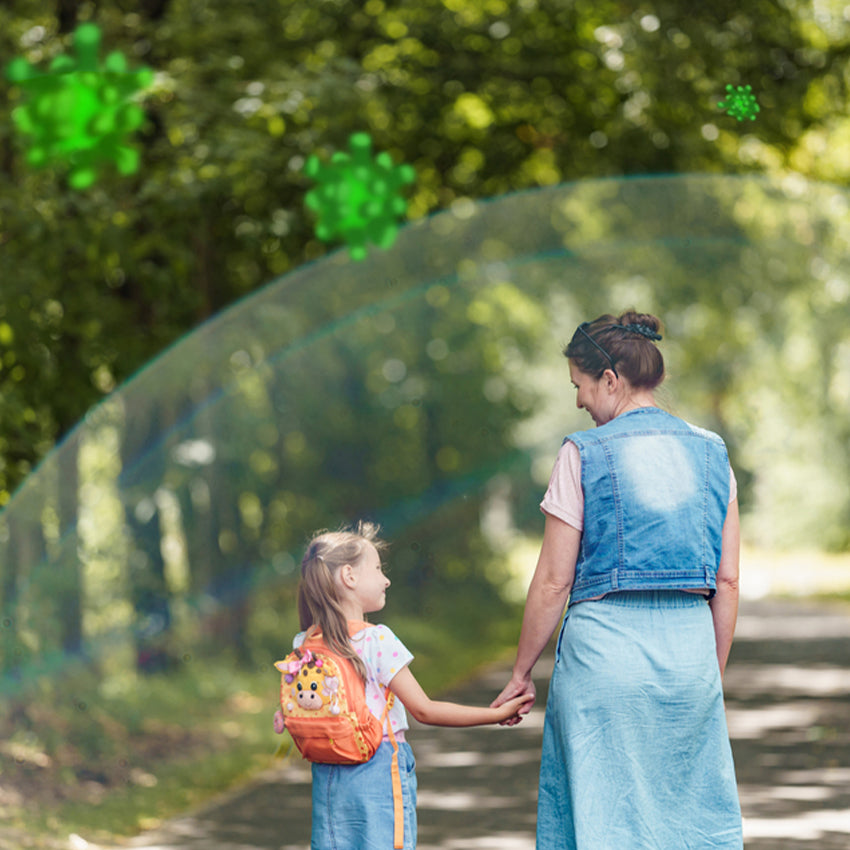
(279,723)
(518,688)
(510,712)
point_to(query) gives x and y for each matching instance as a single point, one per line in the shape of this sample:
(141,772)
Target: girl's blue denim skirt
(353,803)
(636,752)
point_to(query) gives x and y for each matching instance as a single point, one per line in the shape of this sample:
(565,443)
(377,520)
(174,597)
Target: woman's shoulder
(704,432)
(576,440)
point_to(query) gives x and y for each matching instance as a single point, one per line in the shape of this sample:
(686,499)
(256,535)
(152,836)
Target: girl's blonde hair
(318,600)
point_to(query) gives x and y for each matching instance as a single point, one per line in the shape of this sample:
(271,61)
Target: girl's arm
(724,603)
(547,597)
(434,713)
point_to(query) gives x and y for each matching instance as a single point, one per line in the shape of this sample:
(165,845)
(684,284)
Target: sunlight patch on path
(755,723)
(807,826)
(499,841)
(787,679)
(439,759)
(460,801)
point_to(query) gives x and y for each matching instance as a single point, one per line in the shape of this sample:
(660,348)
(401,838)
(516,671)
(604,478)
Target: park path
(788,707)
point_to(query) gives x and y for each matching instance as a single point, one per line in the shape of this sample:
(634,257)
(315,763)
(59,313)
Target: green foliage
(481,98)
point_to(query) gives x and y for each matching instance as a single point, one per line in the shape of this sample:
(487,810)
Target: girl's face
(372,584)
(594,394)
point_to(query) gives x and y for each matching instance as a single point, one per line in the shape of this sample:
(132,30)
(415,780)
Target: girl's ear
(348,576)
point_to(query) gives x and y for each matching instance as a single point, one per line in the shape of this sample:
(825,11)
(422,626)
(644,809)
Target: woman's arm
(547,597)
(724,603)
(435,713)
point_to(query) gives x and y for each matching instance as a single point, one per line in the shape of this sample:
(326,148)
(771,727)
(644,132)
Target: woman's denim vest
(656,492)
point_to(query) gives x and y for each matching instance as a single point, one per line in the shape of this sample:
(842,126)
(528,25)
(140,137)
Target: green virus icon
(740,103)
(78,114)
(357,199)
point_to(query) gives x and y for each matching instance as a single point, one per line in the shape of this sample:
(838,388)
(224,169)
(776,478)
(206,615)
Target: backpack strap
(398,803)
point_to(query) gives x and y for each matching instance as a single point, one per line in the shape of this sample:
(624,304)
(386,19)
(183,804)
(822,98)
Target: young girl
(342,580)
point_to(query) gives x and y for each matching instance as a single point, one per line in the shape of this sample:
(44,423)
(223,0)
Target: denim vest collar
(656,492)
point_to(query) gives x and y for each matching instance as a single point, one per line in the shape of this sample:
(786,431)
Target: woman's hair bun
(630,317)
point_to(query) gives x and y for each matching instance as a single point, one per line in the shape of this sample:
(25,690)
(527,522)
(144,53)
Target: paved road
(788,702)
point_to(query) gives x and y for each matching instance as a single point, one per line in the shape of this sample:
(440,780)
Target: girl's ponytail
(317,597)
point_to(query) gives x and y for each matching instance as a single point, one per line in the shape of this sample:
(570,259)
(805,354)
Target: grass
(132,754)
(179,785)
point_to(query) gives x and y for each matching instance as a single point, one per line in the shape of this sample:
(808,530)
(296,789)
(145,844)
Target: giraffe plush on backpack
(315,685)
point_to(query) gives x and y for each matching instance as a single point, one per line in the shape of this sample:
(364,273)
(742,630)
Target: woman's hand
(518,688)
(512,710)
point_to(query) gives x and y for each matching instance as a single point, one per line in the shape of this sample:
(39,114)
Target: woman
(642,538)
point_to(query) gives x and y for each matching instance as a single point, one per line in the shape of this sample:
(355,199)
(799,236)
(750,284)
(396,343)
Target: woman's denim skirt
(636,752)
(353,803)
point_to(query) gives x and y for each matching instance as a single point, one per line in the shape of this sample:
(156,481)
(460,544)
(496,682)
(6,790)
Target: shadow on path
(788,707)
(788,703)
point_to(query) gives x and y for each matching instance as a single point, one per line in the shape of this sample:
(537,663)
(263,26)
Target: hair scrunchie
(641,330)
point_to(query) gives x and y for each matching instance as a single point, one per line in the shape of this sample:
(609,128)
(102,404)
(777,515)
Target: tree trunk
(149,592)
(71,600)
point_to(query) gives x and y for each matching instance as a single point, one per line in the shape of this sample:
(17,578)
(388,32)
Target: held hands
(511,711)
(518,694)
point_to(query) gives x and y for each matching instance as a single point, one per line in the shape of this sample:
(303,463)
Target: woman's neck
(636,401)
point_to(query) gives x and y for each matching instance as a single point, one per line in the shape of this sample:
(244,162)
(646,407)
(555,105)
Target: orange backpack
(323,702)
